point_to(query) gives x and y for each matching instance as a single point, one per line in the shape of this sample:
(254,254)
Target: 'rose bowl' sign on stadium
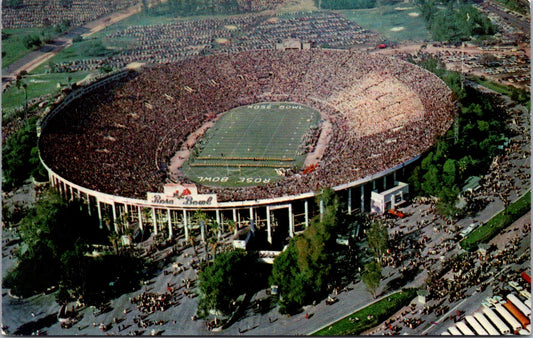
(182,195)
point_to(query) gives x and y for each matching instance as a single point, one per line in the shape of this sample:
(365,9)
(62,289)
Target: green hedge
(381,310)
(497,223)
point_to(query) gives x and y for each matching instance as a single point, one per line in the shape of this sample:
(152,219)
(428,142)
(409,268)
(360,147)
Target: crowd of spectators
(42,13)
(107,141)
(149,302)
(170,42)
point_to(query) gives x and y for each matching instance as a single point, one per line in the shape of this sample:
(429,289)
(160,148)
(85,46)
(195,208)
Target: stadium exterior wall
(356,194)
(96,201)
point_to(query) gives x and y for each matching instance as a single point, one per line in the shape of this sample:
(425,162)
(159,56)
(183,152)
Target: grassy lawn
(500,88)
(358,322)
(38,85)
(395,23)
(497,223)
(12,42)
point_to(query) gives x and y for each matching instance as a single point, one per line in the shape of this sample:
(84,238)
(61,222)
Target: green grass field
(247,144)
(395,23)
(38,85)
(12,46)
(496,224)
(358,322)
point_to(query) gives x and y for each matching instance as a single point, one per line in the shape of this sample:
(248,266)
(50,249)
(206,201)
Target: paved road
(514,20)
(32,60)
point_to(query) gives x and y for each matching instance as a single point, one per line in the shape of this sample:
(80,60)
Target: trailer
(497,321)
(486,324)
(464,329)
(524,321)
(509,318)
(519,305)
(454,331)
(480,331)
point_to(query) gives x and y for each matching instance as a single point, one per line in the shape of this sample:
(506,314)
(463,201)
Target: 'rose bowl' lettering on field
(253,180)
(213,179)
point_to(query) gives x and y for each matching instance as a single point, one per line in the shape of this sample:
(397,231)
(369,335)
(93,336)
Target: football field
(249,145)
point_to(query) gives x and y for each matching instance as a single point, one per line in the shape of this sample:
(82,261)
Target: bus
(519,305)
(454,332)
(524,321)
(500,325)
(470,320)
(486,324)
(509,318)
(464,329)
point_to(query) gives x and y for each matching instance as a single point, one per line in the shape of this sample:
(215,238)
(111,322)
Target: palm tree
(214,244)
(214,229)
(20,83)
(213,240)
(107,221)
(113,238)
(193,242)
(202,218)
(123,224)
(232,226)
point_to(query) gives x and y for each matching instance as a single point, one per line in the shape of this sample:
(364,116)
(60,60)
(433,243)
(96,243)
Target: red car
(396,213)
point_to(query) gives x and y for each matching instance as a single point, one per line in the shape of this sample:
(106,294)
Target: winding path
(34,59)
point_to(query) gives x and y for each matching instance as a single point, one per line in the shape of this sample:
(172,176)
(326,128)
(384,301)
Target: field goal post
(233,169)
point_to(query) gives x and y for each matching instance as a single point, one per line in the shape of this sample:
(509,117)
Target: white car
(499,299)
(515,286)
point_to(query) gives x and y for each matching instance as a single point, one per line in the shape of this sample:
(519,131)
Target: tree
(303,270)
(431,181)
(20,83)
(378,239)
(293,287)
(64,25)
(232,227)
(449,175)
(47,233)
(201,217)
(56,239)
(29,41)
(231,275)
(20,158)
(114,239)
(372,276)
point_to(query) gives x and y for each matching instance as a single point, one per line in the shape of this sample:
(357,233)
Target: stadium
(249,137)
